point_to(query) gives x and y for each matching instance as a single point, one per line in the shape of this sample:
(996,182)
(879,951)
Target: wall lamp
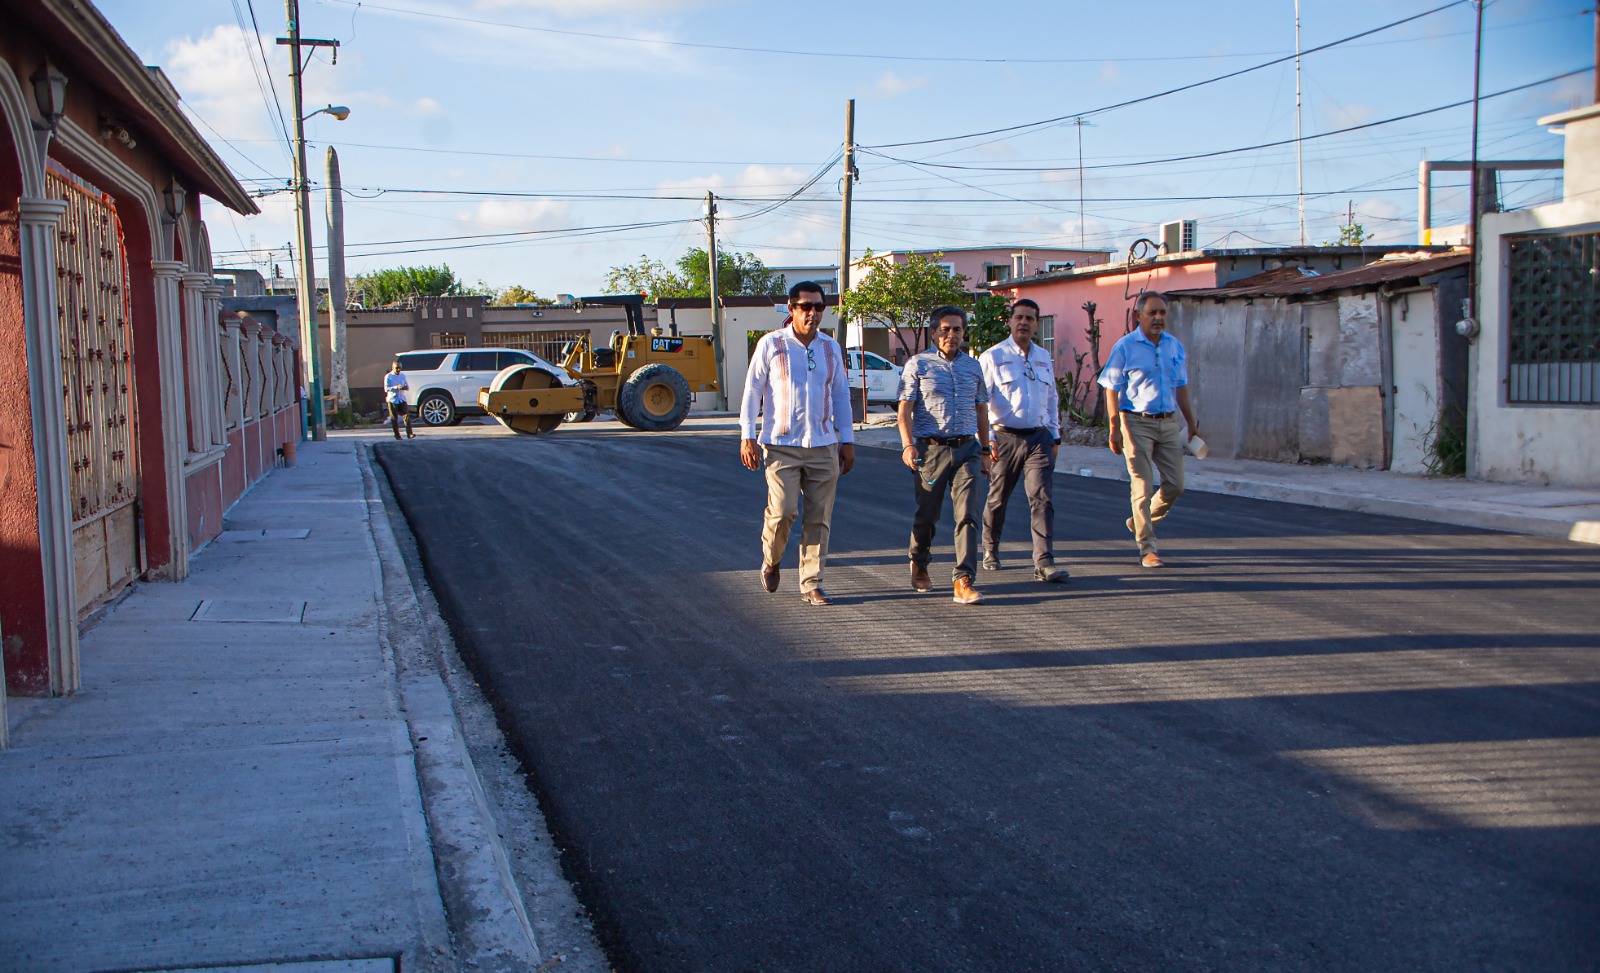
(337,111)
(50,95)
(174,195)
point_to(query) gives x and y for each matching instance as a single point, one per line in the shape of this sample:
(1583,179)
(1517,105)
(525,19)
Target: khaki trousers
(1147,442)
(793,472)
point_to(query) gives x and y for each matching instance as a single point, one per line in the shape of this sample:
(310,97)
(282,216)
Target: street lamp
(310,346)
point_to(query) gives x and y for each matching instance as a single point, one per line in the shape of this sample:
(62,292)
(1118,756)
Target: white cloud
(1109,73)
(212,73)
(568,8)
(891,85)
(997,150)
(519,214)
(754,180)
(427,108)
(1344,116)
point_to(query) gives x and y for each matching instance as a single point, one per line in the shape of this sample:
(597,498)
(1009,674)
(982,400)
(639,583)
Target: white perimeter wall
(1555,444)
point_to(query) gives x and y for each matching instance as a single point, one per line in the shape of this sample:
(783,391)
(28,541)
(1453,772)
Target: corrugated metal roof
(1296,283)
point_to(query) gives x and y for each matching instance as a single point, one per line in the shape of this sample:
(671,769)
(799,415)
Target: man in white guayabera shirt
(798,385)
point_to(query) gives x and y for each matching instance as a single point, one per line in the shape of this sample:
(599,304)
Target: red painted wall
(203,496)
(147,388)
(232,468)
(22,627)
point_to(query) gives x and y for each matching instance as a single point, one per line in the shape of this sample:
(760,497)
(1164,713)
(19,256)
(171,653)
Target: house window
(548,345)
(994,272)
(1061,265)
(1553,319)
(1047,333)
(948,268)
(449,339)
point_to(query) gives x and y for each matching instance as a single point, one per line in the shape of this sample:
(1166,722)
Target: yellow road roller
(646,378)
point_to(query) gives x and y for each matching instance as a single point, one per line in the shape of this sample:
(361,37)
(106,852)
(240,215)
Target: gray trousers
(1026,460)
(956,470)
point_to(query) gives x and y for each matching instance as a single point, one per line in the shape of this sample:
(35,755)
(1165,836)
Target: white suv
(883,376)
(445,381)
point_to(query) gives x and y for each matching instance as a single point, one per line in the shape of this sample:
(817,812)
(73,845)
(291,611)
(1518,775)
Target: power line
(1246,148)
(562,158)
(1173,91)
(658,42)
(274,103)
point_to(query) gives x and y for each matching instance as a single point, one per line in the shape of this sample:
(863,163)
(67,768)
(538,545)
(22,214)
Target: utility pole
(1299,142)
(716,311)
(844,240)
(1471,303)
(1080,123)
(336,293)
(306,288)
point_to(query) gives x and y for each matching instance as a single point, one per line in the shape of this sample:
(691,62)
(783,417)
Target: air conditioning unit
(1178,236)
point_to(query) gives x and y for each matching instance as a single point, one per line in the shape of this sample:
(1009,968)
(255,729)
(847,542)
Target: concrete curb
(486,910)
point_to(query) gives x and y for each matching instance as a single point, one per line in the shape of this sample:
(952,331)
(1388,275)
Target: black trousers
(398,411)
(1026,460)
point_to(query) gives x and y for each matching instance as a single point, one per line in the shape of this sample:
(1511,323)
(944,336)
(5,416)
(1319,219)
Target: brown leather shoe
(815,596)
(964,593)
(919,578)
(1152,560)
(769,577)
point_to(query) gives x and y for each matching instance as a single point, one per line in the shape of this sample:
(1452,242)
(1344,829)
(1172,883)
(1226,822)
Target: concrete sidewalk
(1544,511)
(263,770)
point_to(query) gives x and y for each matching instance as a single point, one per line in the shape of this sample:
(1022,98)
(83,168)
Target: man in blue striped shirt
(944,436)
(1147,383)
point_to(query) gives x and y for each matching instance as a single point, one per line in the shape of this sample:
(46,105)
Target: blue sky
(496,135)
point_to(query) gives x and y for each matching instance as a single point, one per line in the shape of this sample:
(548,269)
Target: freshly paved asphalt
(1319,741)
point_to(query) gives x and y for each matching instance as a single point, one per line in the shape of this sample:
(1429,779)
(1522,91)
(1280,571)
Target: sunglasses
(811,360)
(808,305)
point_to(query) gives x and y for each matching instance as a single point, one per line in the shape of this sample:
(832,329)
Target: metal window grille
(96,349)
(1047,333)
(449,339)
(545,344)
(1553,319)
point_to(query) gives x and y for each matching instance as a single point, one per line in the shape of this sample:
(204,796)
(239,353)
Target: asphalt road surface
(1319,741)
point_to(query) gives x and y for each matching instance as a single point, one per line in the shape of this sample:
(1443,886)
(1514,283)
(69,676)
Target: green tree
(648,277)
(517,294)
(1350,235)
(901,296)
(737,274)
(989,324)
(396,284)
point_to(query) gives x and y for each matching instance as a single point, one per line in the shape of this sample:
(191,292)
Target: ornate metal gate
(97,383)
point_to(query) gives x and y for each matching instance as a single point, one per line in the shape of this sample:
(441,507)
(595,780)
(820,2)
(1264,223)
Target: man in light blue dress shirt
(1147,384)
(944,438)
